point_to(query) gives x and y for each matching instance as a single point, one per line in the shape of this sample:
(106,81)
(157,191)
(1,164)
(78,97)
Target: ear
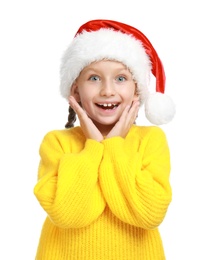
(75,92)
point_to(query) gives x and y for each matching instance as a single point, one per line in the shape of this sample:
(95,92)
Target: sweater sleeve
(67,187)
(135,181)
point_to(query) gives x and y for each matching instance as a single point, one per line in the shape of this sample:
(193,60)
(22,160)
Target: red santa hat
(107,39)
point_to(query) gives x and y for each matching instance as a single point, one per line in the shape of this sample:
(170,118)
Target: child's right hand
(88,127)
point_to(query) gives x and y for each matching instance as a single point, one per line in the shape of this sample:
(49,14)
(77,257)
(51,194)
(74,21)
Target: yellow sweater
(104,200)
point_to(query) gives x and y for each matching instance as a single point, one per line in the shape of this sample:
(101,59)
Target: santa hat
(107,39)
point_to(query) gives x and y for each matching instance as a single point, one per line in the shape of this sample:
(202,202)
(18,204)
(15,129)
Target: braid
(71,118)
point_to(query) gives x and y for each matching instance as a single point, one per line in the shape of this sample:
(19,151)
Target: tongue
(108,107)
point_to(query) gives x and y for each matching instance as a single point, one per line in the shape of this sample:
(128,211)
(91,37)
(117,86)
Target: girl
(105,184)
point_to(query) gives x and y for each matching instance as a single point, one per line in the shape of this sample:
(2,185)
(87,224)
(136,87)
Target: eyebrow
(95,70)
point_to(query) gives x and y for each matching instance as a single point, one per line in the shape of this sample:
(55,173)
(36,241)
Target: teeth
(107,105)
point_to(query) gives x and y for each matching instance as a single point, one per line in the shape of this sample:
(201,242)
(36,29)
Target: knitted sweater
(104,200)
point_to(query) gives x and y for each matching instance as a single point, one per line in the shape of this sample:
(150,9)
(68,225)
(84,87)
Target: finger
(130,113)
(73,103)
(133,111)
(76,107)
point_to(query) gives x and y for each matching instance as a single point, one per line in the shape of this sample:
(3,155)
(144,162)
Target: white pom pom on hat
(159,108)
(107,39)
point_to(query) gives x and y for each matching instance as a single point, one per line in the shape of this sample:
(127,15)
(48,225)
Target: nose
(107,89)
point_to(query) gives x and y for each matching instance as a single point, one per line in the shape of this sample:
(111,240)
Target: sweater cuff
(93,148)
(114,146)
(92,151)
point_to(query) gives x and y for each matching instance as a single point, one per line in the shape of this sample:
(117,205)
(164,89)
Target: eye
(120,78)
(94,78)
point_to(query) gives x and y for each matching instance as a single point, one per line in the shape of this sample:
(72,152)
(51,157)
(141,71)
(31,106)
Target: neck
(104,129)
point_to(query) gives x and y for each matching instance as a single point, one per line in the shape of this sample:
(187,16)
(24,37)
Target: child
(105,184)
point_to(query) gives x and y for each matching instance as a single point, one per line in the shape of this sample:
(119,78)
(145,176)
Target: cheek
(128,94)
(87,94)
(85,100)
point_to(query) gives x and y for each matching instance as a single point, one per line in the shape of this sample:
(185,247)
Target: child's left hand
(126,120)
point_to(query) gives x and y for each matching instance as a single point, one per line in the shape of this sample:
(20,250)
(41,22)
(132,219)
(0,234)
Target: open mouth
(108,106)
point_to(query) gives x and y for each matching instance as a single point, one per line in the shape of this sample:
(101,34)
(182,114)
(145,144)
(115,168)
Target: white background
(33,36)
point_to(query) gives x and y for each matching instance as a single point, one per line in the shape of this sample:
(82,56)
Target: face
(104,89)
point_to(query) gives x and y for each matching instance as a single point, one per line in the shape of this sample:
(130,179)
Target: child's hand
(126,120)
(88,127)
